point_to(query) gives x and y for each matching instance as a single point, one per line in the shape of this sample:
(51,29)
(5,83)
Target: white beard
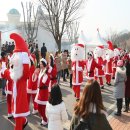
(17,71)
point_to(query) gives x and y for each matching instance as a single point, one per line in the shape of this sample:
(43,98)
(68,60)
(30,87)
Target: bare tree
(72,32)
(31,21)
(59,13)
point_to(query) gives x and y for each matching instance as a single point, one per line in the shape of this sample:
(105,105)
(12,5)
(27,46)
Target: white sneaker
(34,111)
(44,123)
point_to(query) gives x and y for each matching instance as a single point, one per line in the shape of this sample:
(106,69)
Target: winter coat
(58,63)
(64,61)
(127,90)
(119,83)
(56,115)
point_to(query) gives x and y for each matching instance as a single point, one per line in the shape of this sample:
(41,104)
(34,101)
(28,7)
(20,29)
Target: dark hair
(52,61)
(44,64)
(91,94)
(43,44)
(55,97)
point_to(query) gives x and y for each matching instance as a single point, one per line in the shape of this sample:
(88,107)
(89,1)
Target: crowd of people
(28,73)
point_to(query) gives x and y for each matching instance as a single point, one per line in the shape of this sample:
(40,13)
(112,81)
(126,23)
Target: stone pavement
(120,123)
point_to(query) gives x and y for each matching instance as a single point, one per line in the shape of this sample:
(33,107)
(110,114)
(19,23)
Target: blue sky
(103,14)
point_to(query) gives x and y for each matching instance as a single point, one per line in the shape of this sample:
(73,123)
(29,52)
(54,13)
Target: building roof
(14,12)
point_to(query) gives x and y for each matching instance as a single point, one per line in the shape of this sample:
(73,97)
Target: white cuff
(44,78)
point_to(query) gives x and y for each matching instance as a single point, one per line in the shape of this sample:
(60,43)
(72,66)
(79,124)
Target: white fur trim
(73,68)
(40,102)
(50,69)
(99,75)
(14,95)
(31,91)
(25,58)
(21,114)
(108,73)
(44,60)
(44,79)
(79,68)
(76,83)
(89,63)
(89,77)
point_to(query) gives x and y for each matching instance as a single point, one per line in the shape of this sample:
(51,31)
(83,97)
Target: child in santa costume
(99,72)
(77,54)
(115,59)
(5,74)
(108,63)
(52,70)
(42,94)
(19,73)
(32,84)
(91,65)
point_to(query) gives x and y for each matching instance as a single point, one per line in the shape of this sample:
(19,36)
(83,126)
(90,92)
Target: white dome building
(14,17)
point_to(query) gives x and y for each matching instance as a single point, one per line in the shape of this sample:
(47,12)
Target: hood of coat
(121,70)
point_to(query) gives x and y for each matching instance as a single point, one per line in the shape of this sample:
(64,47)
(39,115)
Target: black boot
(119,107)
(126,104)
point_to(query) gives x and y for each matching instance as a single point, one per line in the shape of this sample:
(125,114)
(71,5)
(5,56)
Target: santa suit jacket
(108,66)
(9,84)
(99,71)
(90,67)
(77,72)
(43,83)
(32,85)
(20,105)
(114,63)
(52,71)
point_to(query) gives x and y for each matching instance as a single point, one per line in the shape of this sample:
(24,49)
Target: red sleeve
(25,71)
(6,75)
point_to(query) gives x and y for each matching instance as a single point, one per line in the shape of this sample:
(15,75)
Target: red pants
(9,100)
(100,81)
(108,78)
(19,123)
(114,71)
(33,98)
(41,110)
(76,89)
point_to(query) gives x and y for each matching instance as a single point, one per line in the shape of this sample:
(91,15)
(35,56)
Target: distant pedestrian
(56,110)
(119,85)
(43,51)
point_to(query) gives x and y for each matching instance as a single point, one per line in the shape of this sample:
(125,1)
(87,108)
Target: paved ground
(69,100)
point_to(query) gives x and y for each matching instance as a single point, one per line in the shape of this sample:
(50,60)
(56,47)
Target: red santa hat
(110,45)
(20,44)
(79,44)
(102,47)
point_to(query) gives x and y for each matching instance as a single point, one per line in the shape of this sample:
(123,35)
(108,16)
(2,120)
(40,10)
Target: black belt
(43,87)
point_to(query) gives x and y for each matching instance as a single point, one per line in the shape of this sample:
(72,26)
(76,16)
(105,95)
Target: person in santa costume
(91,65)
(115,59)
(8,90)
(42,94)
(77,54)
(52,72)
(109,54)
(99,72)
(32,84)
(19,73)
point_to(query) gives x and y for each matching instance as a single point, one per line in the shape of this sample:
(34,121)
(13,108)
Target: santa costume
(42,94)
(91,64)
(115,59)
(52,71)
(5,74)
(99,72)
(19,73)
(32,85)
(77,54)
(108,63)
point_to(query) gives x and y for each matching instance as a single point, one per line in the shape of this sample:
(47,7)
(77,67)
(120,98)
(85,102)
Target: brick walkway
(120,123)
